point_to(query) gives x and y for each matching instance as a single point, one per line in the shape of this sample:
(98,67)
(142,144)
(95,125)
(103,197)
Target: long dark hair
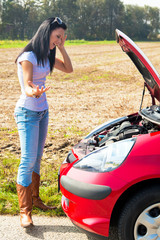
(39,44)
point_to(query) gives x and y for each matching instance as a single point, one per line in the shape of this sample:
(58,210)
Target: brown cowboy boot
(37,202)
(25,205)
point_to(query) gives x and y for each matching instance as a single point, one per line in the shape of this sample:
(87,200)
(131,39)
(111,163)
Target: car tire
(140,218)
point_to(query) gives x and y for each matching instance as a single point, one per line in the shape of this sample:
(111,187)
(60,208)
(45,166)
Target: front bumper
(85,190)
(82,215)
(90,234)
(84,203)
(89,198)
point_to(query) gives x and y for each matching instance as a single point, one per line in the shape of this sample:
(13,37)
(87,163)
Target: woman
(35,62)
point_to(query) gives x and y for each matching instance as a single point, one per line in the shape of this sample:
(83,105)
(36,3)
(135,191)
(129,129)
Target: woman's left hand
(61,45)
(65,65)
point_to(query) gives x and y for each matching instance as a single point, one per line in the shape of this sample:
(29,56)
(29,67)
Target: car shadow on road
(38,231)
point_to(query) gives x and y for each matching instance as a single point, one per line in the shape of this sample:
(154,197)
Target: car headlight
(70,158)
(106,158)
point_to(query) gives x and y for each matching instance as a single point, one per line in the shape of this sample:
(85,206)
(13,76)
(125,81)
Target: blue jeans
(32,129)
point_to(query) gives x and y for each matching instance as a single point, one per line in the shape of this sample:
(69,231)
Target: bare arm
(65,65)
(31,89)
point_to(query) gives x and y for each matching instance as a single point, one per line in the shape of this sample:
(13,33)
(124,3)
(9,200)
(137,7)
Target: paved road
(45,228)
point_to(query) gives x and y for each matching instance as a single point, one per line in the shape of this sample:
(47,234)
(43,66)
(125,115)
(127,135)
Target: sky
(152,3)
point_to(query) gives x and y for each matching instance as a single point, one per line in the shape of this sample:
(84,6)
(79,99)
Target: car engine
(144,122)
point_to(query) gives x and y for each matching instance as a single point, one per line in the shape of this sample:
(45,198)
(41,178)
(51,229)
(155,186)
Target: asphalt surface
(46,228)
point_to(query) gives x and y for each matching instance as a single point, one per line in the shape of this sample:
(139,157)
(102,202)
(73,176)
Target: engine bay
(125,130)
(144,122)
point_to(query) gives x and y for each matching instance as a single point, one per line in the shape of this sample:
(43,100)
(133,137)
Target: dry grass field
(104,85)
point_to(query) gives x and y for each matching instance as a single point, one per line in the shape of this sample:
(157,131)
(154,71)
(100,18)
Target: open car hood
(145,67)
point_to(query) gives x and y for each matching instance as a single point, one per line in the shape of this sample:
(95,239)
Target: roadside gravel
(45,228)
(48,228)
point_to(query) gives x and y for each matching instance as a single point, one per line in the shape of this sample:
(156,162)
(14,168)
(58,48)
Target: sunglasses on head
(58,20)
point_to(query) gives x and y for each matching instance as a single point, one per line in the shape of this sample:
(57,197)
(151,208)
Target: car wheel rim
(147,225)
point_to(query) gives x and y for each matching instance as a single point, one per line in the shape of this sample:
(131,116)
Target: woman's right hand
(31,89)
(36,91)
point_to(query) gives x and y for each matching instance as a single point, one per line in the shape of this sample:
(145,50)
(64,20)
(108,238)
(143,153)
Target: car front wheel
(140,218)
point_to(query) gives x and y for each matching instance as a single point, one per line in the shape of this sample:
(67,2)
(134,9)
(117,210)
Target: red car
(112,176)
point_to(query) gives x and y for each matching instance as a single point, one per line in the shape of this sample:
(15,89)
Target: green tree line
(86,19)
